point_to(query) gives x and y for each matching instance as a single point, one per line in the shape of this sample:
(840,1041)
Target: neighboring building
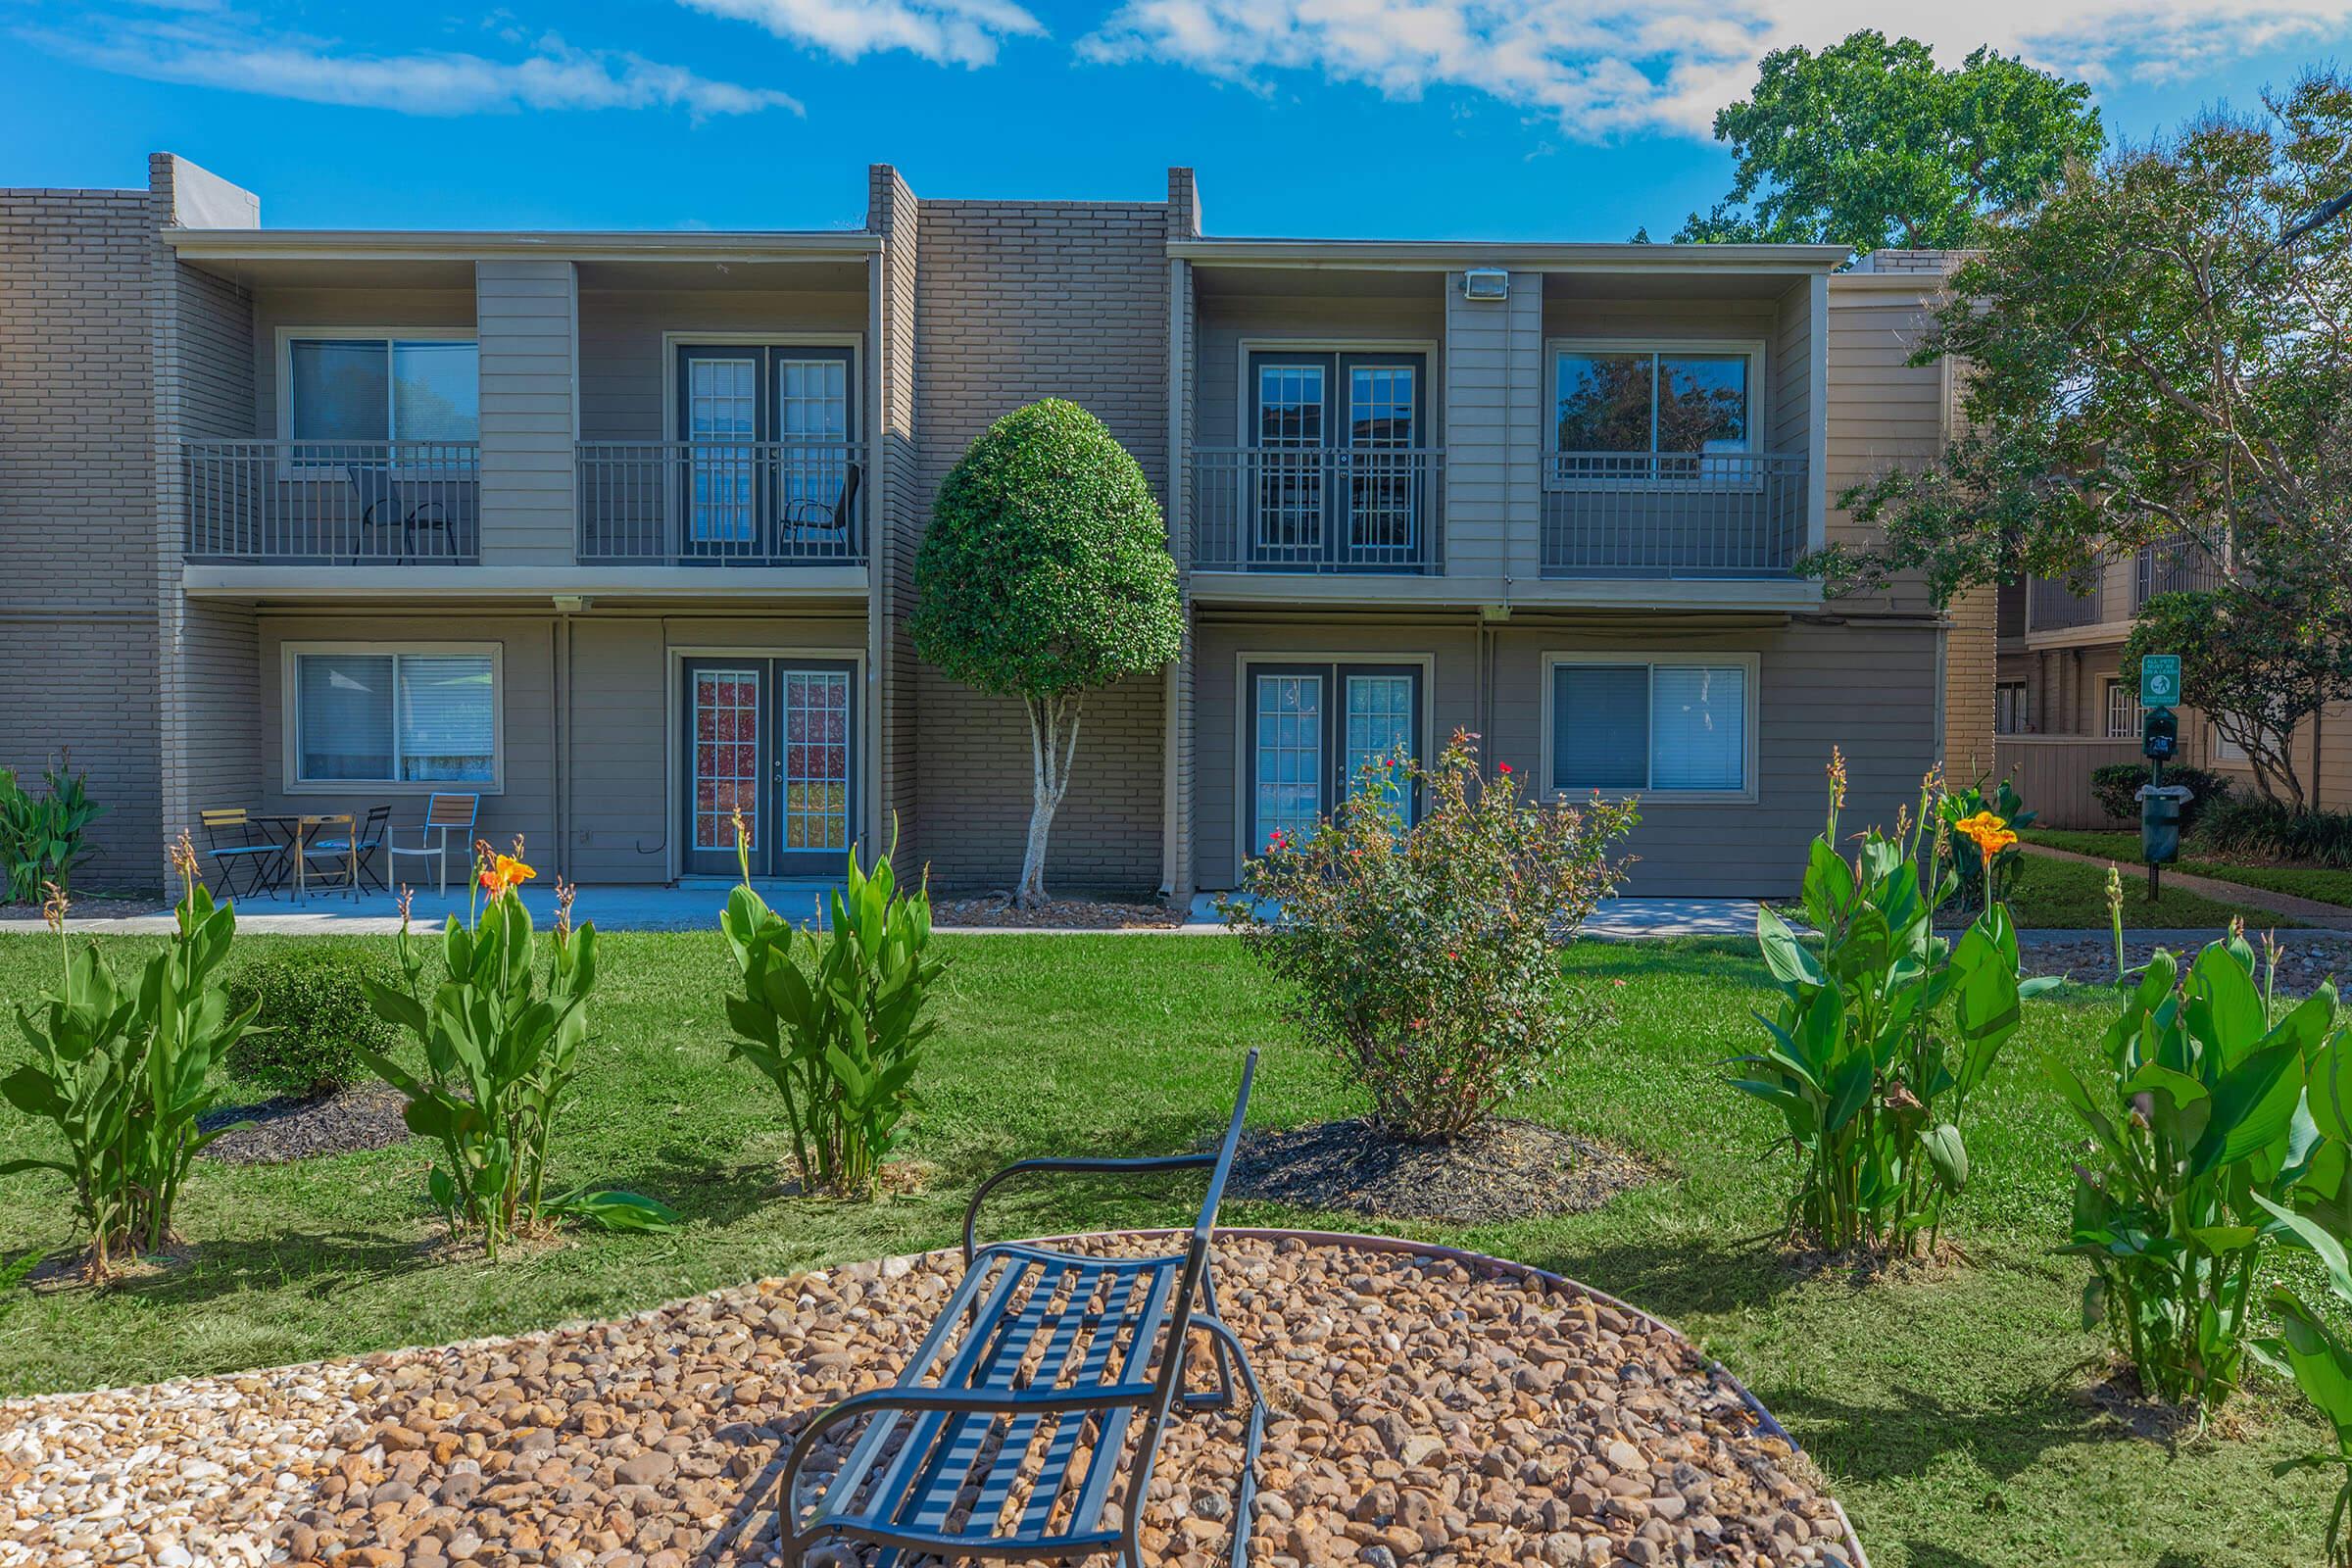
(2063,708)
(619,529)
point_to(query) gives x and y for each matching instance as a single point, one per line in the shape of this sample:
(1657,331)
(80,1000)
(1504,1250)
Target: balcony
(1317,510)
(2170,568)
(2052,606)
(721,504)
(332,503)
(1674,515)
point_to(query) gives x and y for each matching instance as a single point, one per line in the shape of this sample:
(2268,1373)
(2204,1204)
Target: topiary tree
(1045,574)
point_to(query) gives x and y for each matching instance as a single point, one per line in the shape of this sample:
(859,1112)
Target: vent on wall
(1486,283)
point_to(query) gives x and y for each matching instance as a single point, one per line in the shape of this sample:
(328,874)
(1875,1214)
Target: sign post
(2159,738)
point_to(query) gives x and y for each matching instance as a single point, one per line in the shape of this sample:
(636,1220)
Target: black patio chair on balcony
(811,516)
(1064,1378)
(389,500)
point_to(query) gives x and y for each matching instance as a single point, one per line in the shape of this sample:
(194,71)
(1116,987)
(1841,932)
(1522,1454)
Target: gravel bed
(1424,1412)
(1505,1169)
(2305,957)
(362,1116)
(1092,914)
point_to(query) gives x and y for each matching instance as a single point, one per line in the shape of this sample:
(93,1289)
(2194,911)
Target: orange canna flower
(504,873)
(1991,834)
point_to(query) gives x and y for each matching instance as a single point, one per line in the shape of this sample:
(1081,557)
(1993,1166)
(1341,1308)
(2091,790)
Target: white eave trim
(460,245)
(1563,257)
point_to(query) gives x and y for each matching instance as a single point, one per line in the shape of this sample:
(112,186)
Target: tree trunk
(1052,744)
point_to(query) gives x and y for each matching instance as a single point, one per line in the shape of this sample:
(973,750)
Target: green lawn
(2066,895)
(2303,881)
(1949,1412)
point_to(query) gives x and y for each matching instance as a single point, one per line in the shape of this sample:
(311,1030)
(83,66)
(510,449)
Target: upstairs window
(386,387)
(1635,410)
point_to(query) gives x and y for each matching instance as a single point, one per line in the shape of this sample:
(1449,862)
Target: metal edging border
(1765,1419)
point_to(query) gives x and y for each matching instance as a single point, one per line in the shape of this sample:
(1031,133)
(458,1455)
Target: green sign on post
(2160,680)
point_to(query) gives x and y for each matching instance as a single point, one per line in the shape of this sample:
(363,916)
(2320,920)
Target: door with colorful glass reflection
(775,740)
(1313,728)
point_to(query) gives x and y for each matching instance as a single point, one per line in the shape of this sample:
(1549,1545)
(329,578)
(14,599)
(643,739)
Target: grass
(2067,895)
(2320,883)
(1949,1412)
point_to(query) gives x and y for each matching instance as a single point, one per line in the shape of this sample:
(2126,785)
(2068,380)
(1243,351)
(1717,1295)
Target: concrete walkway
(2311,912)
(694,905)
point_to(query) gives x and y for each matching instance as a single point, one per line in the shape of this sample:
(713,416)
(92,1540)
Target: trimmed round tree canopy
(1046,569)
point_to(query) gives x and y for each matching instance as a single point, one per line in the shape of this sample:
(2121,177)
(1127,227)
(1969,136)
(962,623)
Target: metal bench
(1006,1440)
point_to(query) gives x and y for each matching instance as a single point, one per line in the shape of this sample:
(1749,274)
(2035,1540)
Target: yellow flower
(503,874)
(1992,834)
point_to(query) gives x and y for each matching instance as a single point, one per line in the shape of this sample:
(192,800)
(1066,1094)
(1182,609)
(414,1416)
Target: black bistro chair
(341,861)
(246,857)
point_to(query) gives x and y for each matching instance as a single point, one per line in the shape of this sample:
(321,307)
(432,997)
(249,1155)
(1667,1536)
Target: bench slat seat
(1033,1375)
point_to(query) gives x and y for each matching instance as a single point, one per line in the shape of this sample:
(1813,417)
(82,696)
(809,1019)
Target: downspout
(557,733)
(1179,542)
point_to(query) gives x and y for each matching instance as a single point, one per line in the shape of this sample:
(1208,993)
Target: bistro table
(297,828)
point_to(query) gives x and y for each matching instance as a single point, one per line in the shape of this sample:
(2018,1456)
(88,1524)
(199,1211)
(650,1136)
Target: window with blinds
(395,718)
(1650,726)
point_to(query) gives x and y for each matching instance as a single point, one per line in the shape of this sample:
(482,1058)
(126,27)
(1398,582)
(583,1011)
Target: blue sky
(1550,118)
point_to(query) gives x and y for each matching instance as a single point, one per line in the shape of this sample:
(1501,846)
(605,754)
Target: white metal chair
(444,814)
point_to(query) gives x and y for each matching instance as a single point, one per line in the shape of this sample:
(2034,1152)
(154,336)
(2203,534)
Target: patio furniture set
(299,853)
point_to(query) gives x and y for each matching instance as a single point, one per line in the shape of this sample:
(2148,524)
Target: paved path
(2311,912)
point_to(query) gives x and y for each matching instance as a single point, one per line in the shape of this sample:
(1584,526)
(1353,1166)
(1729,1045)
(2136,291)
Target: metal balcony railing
(332,502)
(2052,606)
(1317,510)
(2170,568)
(723,502)
(1673,515)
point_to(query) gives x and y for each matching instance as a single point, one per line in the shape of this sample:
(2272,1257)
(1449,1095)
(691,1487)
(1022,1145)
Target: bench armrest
(1113,1167)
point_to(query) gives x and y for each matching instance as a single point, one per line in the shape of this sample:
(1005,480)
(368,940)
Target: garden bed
(1504,1169)
(998,910)
(1429,1406)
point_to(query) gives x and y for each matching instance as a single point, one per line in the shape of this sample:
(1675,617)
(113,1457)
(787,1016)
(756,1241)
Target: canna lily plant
(1886,1029)
(2201,1135)
(126,1074)
(842,1037)
(501,1047)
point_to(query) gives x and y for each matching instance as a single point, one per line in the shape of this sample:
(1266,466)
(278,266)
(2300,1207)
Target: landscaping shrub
(1426,958)
(1883,1034)
(123,1074)
(2196,1146)
(314,1019)
(2256,830)
(2307,1348)
(501,1049)
(2117,786)
(43,838)
(843,1039)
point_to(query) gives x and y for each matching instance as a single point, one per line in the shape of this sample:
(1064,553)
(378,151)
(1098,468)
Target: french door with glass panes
(768,432)
(1313,729)
(1339,467)
(774,739)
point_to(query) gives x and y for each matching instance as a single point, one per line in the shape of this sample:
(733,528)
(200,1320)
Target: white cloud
(1601,66)
(963,33)
(548,75)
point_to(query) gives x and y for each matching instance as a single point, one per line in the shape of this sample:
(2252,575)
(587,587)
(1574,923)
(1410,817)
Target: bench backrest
(212,818)
(1196,1257)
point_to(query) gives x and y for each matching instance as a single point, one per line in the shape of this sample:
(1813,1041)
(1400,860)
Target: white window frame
(290,721)
(1751,347)
(2120,700)
(1752,662)
(288,336)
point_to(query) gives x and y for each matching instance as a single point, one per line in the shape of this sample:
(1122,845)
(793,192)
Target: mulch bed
(1092,914)
(1506,1169)
(362,1117)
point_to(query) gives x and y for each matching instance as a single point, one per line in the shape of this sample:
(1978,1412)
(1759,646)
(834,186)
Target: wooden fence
(2052,773)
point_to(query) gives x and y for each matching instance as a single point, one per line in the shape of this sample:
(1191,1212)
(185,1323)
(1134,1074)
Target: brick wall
(78,571)
(1018,301)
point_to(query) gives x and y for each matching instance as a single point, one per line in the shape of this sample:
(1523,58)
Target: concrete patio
(694,905)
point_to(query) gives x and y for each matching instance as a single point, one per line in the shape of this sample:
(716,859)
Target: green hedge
(314,1018)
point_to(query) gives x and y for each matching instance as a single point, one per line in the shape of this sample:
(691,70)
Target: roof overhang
(467,245)
(1519,255)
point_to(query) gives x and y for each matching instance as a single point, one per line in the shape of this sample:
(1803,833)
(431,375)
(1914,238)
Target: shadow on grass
(322,1263)
(1888,1442)
(1684,1277)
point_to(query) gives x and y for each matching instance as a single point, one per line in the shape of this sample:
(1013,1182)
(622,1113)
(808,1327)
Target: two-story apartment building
(618,530)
